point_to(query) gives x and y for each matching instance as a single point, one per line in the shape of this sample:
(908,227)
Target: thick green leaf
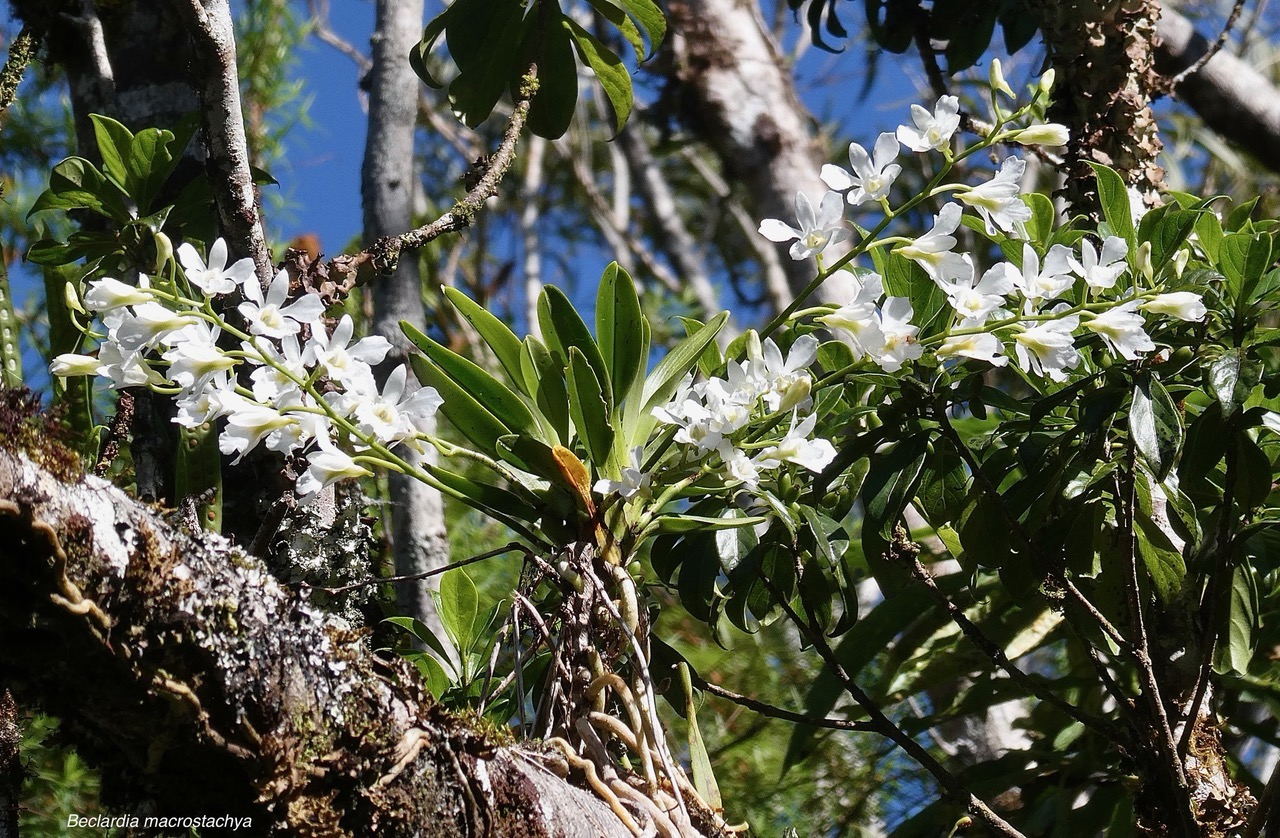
(650,18)
(571,332)
(1239,636)
(613,13)
(432,671)
(471,418)
(551,48)
(668,524)
(498,401)
(543,377)
(891,482)
(75,183)
(423,632)
(619,329)
(1160,556)
(114,142)
(499,337)
(1156,425)
(1115,203)
(421,52)
(612,74)
(704,779)
(589,409)
(662,382)
(459,603)
(1040,225)
(1224,382)
(498,503)
(484,38)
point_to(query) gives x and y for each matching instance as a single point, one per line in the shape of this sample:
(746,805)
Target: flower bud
(164,251)
(64,366)
(1144,262)
(1045,86)
(754,351)
(72,298)
(996,78)
(1180,260)
(1051,133)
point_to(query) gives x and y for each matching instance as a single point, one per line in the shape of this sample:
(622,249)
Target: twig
(413,577)
(775,712)
(386,251)
(1213,50)
(993,651)
(1166,747)
(885,726)
(1266,805)
(212,36)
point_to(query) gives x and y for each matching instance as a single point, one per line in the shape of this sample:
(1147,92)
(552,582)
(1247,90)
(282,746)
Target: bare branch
(212,35)
(1212,51)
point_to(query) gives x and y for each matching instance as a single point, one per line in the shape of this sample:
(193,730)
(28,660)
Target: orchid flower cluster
(290,384)
(1033,311)
(713,415)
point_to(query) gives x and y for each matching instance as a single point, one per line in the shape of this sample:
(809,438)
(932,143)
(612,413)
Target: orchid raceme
(872,176)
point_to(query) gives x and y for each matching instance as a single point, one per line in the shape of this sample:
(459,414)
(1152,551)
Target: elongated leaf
(499,337)
(619,328)
(612,74)
(704,779)
(498,401)
(1115,203)
(421,51)
(588,408)
(1235,650)
(550,47)
(613,13)
(668,524)
(496,502)
(1156,425)
(471,418)
(572,332)
(665,377)
(423,632)
(890,483)
(650,18)
(543,377)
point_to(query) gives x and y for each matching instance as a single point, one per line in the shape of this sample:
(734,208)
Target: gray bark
(10,766)
(201,686)
(418,536)
(1232,97)
(738,96)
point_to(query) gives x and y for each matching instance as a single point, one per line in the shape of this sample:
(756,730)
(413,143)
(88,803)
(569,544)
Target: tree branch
(189,675)
(212,35)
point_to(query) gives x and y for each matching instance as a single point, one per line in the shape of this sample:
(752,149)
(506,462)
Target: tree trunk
(1231,96)
(1102,57)
(738,96)
(199,684)
(388,182)
(10,766)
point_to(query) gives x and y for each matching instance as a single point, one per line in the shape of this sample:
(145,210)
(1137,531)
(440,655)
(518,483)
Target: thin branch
(1165,746)
(413,577)
(212,35)
(321,29)
(1209,54)
(385,252)
(775,712)
(1263,814)
(882,724)
(997,655)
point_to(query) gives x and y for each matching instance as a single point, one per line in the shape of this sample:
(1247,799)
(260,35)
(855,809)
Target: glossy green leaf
(497,399)
(498,336)
(421,52)
(114,141)
(620,329)
(891,483)
(589,409)
(472,419)
(501,504)
(459,603)
(543,377)
(1223,377)
(551,48)
(571,332)
(433,673)
(662,382)
(668,524)
(484,38)
(75,183)
(1115,203)
(704,779)
(422,632)
(620,20)
(1239,637)
(612,74)
(1160,556)
(1156,425)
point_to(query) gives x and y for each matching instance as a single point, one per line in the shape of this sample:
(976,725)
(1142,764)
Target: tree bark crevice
(200,685)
